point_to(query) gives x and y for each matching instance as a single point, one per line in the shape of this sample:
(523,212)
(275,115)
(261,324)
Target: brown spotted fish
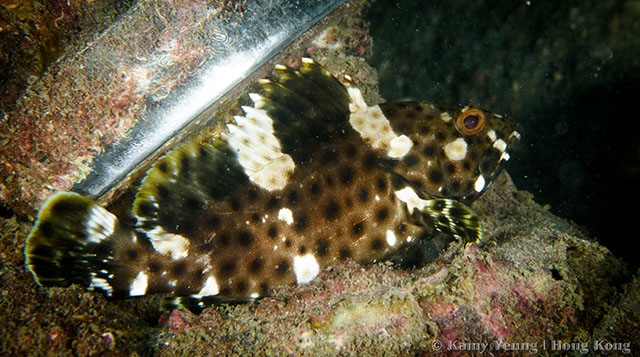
(310,176)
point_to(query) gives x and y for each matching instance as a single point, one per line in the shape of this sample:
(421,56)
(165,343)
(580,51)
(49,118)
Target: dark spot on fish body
(272,231)
(382,214)
(301,222)
(252,194)
(163,167)
(227,269)
(215,191)
(302,250)
(178,268)
(397,182)
(381,184)
(455,185)
(202,153)
(241,287)
(282,267)
(346,175)
(345,253)
(224,239)
(416,184)
(351,151)
(245,238)
(293,197)
(411,160)
(363,194)
(322,247)
(235,204)
(370,161)
(429,150)
(212,221)
(264,289)
(256,265)
(435,176)
(131,254)
(315,188)
(377,244)
(146,209)
(348,202)
(358,229)
(332,210)
(184,166)
(155,266)
(329,181)
(273,203)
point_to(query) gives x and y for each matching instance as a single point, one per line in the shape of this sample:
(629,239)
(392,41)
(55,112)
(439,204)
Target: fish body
(310,176)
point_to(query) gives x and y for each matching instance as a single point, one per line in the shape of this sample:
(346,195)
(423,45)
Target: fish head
(457,151)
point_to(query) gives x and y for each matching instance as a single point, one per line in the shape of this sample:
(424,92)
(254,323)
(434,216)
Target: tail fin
(70,243)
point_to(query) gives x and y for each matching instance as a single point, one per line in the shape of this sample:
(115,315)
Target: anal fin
(196,304)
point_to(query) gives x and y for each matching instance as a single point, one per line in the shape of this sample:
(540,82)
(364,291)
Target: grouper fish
(308,177)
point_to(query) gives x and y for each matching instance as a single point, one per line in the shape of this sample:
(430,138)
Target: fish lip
(514,139)
(511,138)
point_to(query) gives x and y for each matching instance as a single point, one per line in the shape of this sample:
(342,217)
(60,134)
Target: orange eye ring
(470,122)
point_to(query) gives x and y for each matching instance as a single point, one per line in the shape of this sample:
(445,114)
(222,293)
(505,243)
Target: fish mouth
(494,160)
(500,154)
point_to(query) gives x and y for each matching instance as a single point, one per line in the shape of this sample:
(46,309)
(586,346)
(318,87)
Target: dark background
(567,71)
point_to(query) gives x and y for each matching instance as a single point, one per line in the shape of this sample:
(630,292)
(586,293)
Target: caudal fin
(70,243)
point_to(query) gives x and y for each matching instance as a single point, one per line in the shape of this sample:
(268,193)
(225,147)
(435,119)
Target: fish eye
(470,122)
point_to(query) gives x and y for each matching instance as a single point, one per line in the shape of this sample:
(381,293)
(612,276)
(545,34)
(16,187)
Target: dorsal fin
(298,111)
(182,183)
(308,107)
